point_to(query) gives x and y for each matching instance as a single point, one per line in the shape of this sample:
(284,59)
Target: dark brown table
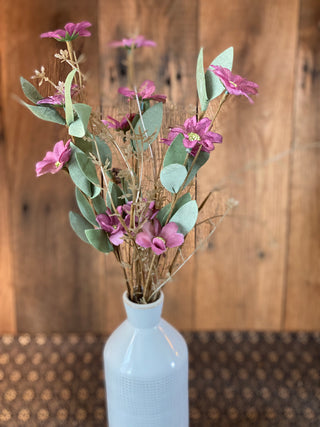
(236,379)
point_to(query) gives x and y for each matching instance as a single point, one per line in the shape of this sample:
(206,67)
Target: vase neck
(143,315)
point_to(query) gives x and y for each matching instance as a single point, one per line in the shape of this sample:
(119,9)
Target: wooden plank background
(261,269)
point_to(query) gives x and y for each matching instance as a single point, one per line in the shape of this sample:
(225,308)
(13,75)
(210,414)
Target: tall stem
(146,287)
(222,101)
(72,59)
(130,62)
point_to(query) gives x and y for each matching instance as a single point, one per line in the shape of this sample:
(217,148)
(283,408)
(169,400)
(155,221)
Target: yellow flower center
(193,136)
(57,164)
(233,83)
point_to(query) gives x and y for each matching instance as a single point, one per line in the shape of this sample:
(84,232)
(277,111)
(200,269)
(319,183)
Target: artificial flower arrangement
(131,186)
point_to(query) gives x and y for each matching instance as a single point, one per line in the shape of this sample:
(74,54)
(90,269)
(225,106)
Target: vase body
(146,370)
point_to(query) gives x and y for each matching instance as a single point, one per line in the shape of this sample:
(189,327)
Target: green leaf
(186,217)
(78,128)
(67,97)
(87,167)
(48,114)
(162,215)
(85,207)
(84,145)
(164,212)
(79,225)
(99,205)
(78,177)
(99,240)
(201,160)
(176,153)
(213,84)
(116,195)
(150,125)
(201,83)
(172,177)
(30,91)
(103,148)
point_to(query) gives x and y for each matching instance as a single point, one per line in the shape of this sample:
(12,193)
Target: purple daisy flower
(112,225)
(122,125)
(133,42)
(235,84)
(54,160)
(159,239)
(145,92)
(58,98)
(195,135)
(71,31)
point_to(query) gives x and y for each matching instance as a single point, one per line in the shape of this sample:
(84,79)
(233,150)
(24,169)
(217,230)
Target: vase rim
(135,305)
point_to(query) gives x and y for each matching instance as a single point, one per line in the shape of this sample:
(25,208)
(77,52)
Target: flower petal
(190,124)
(143,239)
(116,238)
(158,246)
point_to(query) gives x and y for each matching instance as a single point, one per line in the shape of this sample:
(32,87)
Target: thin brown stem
(146,287)
(222,101)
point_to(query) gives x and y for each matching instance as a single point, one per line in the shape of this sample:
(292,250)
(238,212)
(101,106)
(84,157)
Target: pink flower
(234,84)
(112,225)
(54,160)
(122,125)
(58,97)
(71,31)
(145,92)
(134,42)
(146,213)
(195,134)
(159,239)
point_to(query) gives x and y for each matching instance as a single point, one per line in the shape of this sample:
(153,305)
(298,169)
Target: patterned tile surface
(236,379)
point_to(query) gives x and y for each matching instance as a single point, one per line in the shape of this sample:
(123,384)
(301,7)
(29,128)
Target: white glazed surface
(146,371)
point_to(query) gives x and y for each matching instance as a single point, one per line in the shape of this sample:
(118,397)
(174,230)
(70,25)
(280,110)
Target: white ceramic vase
(146,370)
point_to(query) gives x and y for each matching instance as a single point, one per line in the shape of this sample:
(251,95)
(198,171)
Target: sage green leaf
(186,217)
(30,91)
(176,153)
(87,167)
(172,177)
(162,215)
(85,207)
(78,177)
(49,114)
(213,84)
(116,196)
(201,160)
(99,240)
(84,145)
(67,97)
(78,127)
(104,150)
(149,126)
(201,83)
(99,205)
(164,212)
(79,225)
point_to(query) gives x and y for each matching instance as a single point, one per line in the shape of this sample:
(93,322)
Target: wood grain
(54,287)
(303,288)
(7,292)
(261,268)
(240,280)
